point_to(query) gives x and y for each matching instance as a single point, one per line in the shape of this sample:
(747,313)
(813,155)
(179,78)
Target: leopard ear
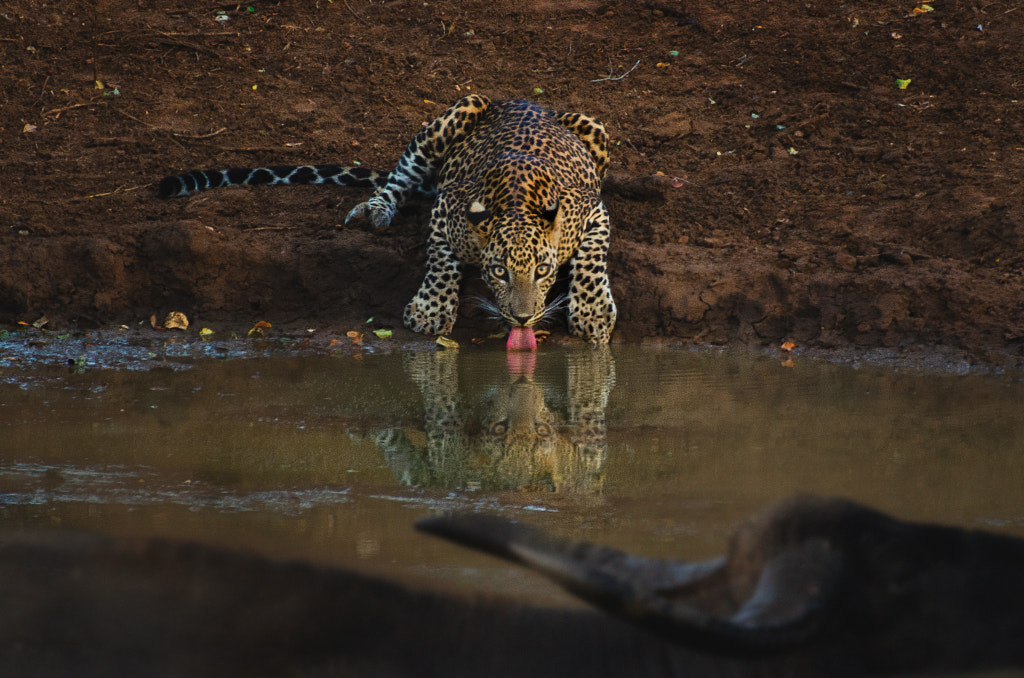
(551,211)
(477,213)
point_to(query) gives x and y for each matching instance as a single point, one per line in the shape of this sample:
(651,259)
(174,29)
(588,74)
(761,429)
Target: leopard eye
(498,271)
(543,270)
(499,428)
(544,430)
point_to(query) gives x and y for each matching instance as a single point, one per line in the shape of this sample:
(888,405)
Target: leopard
(517,193)
(504,430)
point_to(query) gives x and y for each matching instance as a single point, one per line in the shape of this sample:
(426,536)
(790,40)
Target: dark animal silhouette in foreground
(849,589)
(809,587)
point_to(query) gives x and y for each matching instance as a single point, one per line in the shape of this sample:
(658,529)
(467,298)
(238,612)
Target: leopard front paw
(377,210)
(429,316)
(593,322)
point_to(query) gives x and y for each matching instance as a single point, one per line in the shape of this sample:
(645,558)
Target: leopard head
(519,228)
(520,440)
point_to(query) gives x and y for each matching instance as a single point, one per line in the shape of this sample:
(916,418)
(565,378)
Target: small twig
(253,149)
(132,117)
(619,77)
(169,40)
(197,34)
(353,13)
(42,92)
(113,192)
(177,134)
(200,136)
(58,111)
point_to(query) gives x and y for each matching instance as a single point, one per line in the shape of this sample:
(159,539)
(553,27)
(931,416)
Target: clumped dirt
(807,197)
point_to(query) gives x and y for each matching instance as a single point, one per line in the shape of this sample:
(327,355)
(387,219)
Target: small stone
(846,261)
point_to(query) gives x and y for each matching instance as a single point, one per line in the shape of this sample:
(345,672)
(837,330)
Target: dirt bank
(813,200)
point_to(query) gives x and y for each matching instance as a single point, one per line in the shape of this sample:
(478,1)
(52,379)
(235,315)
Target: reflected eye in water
(498,428)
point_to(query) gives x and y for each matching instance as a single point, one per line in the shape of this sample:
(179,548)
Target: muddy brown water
(332,458)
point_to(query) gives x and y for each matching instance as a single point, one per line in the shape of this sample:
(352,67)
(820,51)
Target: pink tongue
(521,339)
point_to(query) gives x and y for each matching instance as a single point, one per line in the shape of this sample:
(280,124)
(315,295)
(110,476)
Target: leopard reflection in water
(522,429)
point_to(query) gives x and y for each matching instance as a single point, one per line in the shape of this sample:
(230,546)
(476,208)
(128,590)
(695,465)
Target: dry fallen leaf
(176,320)
(445,342)
(257,329)
(356,337)
(788,346)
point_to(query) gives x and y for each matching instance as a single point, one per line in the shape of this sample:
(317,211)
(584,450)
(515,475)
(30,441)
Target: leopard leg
(591,379)
(591,306)
(417,168)
(592,133)
(433,309)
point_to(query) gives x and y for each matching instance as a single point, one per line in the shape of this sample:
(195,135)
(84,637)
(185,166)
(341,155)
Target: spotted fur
(513,432)
(517,194)
(201,180)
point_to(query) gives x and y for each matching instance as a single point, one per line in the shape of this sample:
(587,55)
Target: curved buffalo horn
(693,604)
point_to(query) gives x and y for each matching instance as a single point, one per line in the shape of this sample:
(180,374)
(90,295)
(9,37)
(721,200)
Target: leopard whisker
(543,318)
(488,307)
(553,309)
(559,302)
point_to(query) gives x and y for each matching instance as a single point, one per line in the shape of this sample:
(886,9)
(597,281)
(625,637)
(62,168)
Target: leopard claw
(358,211)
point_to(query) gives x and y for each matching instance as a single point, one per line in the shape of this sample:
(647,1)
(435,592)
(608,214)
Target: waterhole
(332,458)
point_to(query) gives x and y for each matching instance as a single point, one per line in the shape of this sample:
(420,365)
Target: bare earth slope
(807,197)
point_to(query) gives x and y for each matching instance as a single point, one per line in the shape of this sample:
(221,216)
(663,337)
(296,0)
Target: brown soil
(808,198)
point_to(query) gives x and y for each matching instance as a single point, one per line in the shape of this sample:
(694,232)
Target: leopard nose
(523,319)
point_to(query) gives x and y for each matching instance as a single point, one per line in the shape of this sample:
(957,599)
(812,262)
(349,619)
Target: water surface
(332,458)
